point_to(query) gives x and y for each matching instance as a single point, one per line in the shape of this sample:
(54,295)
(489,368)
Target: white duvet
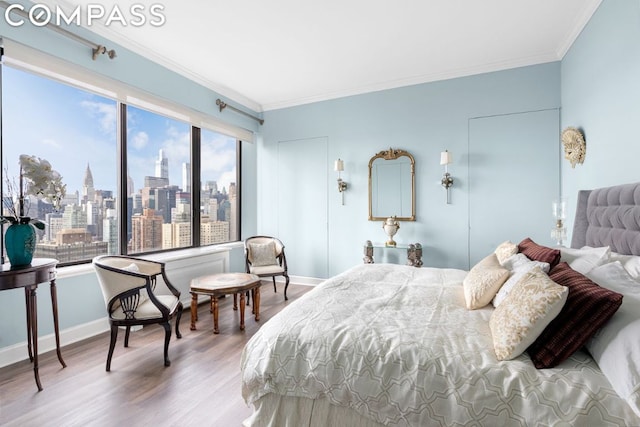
(397,345)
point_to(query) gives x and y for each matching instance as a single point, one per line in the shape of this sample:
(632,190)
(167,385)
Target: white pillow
(133,267)
(519,265)
(616,346)
(585,259)
(263,254)
(631,263)
(532,304)
(505,250)
(483,281)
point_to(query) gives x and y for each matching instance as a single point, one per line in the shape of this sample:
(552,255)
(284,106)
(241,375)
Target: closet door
(514,175)
(302,205)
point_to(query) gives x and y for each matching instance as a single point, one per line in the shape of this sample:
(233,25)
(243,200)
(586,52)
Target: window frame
(51,68)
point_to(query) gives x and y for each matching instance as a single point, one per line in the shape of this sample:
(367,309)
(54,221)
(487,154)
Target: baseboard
(18,352)
(298,280)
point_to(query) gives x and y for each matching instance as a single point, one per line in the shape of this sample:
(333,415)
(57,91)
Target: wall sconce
(559,234)
(342,186)
(447,180)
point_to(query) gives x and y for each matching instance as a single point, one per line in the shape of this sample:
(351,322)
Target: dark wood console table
(28,277)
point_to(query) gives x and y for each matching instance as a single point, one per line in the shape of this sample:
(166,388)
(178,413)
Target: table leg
(214,303)
(33,314)
(27,303)
(56,326)
(256,302)
(235,302)
(242,305)
(194,310)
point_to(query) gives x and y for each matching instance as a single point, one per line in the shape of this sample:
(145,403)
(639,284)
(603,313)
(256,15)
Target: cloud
(51,143)
(104,112)
(140,140)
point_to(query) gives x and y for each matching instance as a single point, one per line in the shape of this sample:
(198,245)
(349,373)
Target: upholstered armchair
(132,297)
(264,257)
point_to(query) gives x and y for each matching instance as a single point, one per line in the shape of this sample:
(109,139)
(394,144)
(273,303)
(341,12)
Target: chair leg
(274,283)
(126,336)
(286,285)
(178,317)
(112,345)
(167,338)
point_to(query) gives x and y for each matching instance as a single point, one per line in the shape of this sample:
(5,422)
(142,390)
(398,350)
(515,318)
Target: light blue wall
(422,119)
(601,95)
(597,82)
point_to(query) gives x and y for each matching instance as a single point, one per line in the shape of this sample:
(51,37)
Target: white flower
(36,178)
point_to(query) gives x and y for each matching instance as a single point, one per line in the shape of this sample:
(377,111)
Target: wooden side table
(216,285)
(28,277)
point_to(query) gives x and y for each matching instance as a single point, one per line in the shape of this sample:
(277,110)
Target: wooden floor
(200,388)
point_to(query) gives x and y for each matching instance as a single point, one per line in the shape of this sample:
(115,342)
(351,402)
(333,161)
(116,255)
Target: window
(159,198)
(219,192)
(76,130)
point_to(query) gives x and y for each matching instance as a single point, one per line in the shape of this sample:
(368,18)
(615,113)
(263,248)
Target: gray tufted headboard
(609,216)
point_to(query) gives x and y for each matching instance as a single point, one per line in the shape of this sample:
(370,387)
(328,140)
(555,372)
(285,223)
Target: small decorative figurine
(368,252)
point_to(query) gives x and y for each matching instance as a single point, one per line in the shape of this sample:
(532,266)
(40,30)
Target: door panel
(514,175)
(302,205)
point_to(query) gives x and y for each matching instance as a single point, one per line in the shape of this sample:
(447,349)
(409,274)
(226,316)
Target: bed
(384,344)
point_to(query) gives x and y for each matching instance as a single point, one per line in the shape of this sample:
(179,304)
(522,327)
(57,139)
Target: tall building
(176,235)
(146,232)
(110,231)
(55,223)
(233,217)
(130,185)
(94,218)
(155,182)
(162,166)
(88,191)
(213,231)
(74,217)
(186,177)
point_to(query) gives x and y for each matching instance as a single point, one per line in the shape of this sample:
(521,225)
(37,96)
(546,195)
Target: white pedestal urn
(391,227)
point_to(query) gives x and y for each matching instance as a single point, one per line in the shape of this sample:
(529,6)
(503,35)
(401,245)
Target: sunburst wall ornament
(575,147)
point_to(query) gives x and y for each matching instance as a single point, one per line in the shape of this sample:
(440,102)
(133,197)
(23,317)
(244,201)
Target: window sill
(82,269)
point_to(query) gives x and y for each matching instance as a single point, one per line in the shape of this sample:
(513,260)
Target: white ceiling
(268,54)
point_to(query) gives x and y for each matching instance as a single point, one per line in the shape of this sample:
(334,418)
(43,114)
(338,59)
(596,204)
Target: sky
(71,128)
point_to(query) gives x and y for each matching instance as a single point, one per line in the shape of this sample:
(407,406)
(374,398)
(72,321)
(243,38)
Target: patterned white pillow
(519,265)
(506,250)
(530,306)
(263,254)
(483,281)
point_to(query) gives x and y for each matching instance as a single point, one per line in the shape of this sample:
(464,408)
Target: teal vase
(20,244)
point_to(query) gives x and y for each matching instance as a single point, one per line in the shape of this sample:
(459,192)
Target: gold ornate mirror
(392,190)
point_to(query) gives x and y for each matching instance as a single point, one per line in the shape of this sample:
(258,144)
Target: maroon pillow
(587,309)
(535,252)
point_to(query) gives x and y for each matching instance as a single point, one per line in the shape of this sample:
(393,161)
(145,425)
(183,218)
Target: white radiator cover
(180,271)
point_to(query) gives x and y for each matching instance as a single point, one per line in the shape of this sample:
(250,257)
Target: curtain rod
(97,49)
(224,105)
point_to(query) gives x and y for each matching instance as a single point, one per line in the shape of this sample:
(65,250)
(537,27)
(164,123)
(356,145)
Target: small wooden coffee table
(216,285)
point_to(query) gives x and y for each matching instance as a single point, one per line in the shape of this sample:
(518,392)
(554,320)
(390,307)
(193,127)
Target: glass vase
(20,244)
